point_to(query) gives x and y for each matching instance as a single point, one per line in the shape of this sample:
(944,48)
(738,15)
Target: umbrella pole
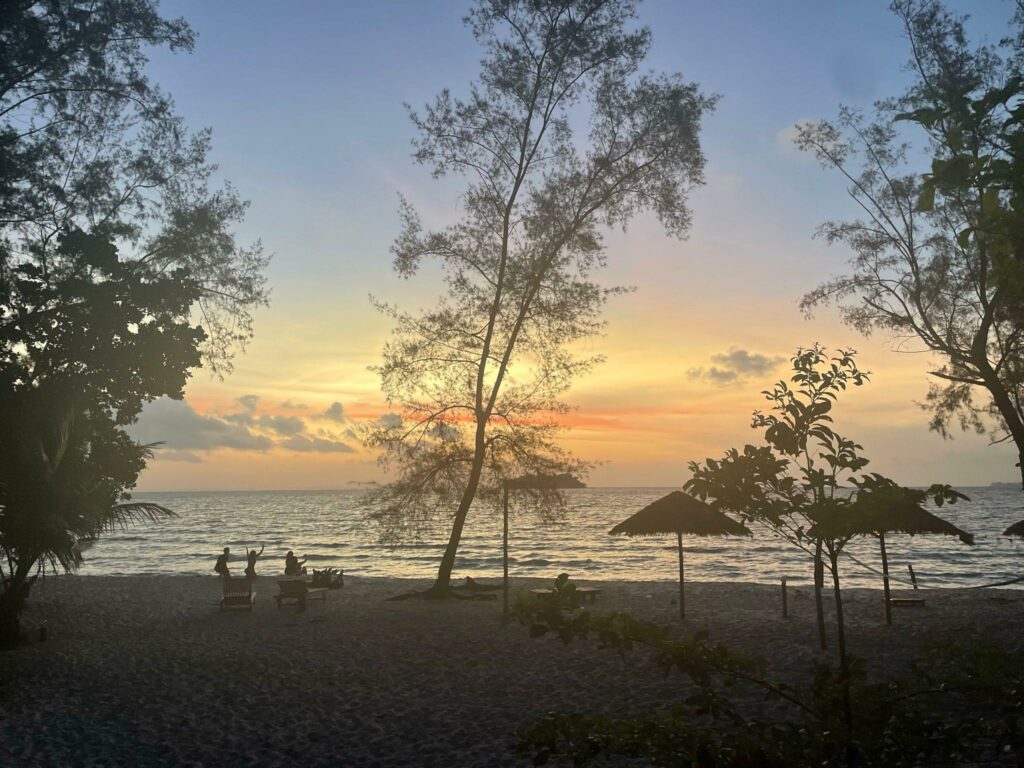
(885,580)
(682,578)
(504,558)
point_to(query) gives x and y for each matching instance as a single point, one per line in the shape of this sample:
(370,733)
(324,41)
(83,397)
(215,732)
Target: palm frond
(123,516)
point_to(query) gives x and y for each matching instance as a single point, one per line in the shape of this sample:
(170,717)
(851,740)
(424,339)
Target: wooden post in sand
(682,598)
(885,580)
(913,577)
(504,582)
(785,608)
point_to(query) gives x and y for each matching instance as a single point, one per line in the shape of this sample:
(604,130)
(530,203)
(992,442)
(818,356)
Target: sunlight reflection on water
(330,527)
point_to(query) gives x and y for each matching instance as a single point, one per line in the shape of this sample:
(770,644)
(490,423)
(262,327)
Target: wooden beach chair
(237,594)
(298,590)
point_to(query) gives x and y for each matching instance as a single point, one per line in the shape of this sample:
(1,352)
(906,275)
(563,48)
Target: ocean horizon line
(368,487)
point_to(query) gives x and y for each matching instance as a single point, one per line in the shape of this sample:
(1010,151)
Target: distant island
(1004,485)
(547,481)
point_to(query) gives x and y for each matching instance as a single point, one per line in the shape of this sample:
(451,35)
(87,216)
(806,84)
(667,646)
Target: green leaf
(990,201)
(926,200)
(926,116)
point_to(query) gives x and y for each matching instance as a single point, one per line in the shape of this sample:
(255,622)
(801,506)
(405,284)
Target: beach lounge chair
(298,590)
(237,594)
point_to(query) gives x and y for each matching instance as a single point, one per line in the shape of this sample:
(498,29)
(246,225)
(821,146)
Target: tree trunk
(504,551)
(682,579)
(1007,409)
(12,603)
(819,585)
(1013,422)
(444,571)
(844,666)
(885,579)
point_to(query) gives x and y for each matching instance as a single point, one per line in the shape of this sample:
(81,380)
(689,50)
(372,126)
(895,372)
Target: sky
(305,100)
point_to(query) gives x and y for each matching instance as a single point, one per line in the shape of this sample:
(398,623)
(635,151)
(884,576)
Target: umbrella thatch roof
(679,513)
(1017,529)
(897,516)
(913,519)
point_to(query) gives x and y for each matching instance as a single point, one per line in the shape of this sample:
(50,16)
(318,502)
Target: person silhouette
(251,556)
(292,565)
(222,564)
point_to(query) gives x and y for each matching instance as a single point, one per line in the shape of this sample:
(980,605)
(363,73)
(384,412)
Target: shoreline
(897,583)
(147,670)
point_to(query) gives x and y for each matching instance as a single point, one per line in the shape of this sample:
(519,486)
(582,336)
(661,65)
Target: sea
(332,528)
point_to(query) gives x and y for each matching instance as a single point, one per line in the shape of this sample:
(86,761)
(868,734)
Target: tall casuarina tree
(478,378)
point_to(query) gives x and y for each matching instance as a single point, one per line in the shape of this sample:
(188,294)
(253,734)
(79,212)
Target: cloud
(289,405)
(445,432)
(715,374)
(785,140)
(184,432)
(180,427)
(335,412)
(282,425)
(248,414)
(389,421)
(278,424)
(249,402)
(736,364)
(305,444)
(188,457)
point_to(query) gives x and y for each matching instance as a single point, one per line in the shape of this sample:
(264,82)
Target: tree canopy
(938,256)
(798,482)
(479,377)
(87,142)
(119,273)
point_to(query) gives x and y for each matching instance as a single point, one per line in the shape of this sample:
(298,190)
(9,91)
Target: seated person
(292,565)
(221,566)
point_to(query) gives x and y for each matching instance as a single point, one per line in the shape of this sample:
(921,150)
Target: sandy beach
(148,670)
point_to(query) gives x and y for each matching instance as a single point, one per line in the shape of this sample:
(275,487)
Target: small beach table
(587,593)
(298,589)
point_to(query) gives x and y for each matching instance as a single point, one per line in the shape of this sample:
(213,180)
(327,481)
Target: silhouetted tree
(479,377)
(83,345)
(111,240)
(87,142)
(938,258)
(797,484)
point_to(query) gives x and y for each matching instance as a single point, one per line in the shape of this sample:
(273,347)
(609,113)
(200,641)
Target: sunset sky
(306,105)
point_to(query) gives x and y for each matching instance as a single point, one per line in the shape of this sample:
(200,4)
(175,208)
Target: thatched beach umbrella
(904,516)
(679,513)
(1017,529)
